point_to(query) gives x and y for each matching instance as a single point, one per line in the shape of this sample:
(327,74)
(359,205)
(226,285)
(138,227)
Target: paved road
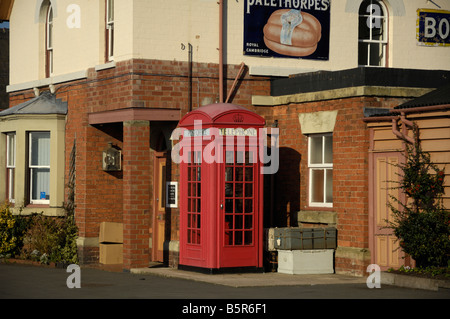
(31,282)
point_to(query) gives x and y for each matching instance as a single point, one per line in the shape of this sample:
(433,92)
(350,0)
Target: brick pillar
(136,193)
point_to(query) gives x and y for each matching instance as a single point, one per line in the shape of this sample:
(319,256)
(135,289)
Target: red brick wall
(126,196)
(111,196)
(350,169)
(137,203)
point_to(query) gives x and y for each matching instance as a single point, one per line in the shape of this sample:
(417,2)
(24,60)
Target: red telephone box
(221,199)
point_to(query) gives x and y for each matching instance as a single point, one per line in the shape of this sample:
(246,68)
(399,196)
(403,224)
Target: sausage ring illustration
(292,33)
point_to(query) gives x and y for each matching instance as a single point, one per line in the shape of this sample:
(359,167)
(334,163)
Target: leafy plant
(52,239)
(12,231)
(423,224)
(8,241)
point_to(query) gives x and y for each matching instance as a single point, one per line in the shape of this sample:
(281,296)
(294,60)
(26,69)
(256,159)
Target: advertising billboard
(433,27)
(287,28)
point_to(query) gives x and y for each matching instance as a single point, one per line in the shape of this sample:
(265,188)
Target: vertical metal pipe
(220,51)
(190,75)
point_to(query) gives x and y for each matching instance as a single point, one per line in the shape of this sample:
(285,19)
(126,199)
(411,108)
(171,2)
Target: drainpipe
(220,51)
(402,136)
(190,75)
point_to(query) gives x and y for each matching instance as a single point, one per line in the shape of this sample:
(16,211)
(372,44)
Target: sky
(4,25)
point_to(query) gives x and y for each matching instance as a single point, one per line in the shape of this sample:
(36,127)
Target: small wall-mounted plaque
(171,194)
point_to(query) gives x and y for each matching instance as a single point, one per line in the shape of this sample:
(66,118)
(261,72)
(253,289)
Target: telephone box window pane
(193,189)
(249,174)
(238,222)
(248,238)
(228,206)
(229,174)
(228,221)
(229,190)
(248,221)
(248,190)
(238,190)
(239,174)
(249,206)
(229,157)
(239,157)
(199,208)
(237,238)
(238,206)
(197,224)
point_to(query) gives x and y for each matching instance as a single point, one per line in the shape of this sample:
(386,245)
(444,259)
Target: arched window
(109,30)
(49,42)
(372,34)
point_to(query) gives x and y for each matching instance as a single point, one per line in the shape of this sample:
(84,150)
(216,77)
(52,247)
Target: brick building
(124,80)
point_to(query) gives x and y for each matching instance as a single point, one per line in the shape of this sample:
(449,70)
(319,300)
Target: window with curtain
(373,34)
(39,167)
(109,30)
(10,165)
(320,164)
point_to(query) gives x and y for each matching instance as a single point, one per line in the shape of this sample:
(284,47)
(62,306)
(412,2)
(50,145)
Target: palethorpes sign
(287,28)
(220,140)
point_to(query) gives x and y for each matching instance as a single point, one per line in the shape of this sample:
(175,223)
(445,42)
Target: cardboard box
(111,233)
(296,262)
(111,254)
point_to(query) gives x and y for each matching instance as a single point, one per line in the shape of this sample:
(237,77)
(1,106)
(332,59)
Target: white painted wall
(157,29)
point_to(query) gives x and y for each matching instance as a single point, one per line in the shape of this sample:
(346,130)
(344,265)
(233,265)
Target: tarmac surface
(179,290)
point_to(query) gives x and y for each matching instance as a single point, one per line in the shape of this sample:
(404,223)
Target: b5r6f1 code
(238,308)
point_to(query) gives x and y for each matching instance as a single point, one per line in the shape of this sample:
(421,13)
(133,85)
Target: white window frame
(110,30)
(49,39)
(369,16)
(10,164)
(32,167)
(326,167)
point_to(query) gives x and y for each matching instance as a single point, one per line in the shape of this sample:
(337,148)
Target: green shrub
(51,239)
(12,231)
(422,225)
(38,237)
